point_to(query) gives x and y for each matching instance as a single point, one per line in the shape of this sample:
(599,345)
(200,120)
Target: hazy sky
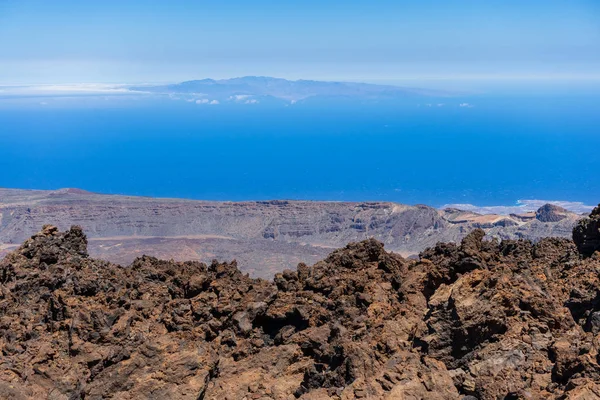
(62,41)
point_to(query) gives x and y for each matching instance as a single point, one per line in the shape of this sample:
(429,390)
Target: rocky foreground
(479,320)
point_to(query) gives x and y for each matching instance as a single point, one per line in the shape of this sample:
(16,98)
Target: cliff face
(325,223)
(265,237)
(477,320)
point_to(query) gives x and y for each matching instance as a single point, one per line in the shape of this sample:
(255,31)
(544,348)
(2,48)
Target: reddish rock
(479,320)
(586,233)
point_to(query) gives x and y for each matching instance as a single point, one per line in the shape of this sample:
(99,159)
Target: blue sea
(484,149)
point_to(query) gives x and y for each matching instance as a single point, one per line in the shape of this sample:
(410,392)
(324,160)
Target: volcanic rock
(586,233)
(479,320)
(551,213)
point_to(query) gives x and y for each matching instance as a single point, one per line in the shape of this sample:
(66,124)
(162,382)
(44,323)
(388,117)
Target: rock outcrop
(479,320)
(586,233)
(551,213)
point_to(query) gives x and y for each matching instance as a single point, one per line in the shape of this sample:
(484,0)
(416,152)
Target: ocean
(480,149)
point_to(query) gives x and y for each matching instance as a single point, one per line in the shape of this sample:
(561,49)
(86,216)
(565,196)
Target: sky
(63,41)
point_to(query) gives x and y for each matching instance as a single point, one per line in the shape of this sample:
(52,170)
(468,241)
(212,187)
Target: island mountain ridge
(259,87)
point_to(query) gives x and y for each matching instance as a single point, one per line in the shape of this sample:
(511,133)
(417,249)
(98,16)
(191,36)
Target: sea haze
(481,149)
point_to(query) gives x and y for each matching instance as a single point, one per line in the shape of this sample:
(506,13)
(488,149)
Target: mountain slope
(265,237)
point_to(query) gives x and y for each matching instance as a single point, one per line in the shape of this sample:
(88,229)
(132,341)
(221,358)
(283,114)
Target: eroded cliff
(265,236)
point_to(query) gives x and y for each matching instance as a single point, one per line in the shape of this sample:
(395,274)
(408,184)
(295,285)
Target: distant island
(252,89)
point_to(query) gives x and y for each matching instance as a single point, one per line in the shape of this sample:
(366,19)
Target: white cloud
(239,97)
(60,90)
(252,101)
(207,101)
(466,105)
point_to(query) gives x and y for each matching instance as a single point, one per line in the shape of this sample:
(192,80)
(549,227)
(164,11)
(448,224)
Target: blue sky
(63,41)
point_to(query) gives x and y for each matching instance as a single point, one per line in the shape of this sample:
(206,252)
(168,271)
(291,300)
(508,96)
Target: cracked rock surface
(586,233)
(476,320)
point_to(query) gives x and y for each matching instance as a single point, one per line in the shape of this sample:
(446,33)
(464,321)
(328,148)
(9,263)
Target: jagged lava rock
(586,234)
(478,320)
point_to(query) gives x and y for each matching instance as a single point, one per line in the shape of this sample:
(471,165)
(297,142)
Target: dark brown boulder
(586,233)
